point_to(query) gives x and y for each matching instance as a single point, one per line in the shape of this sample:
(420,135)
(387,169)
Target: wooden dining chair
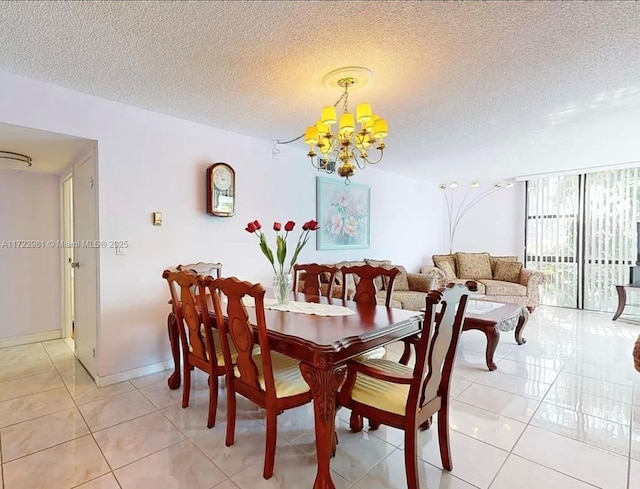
(312,278)
(201,346)
(396,395)
(269,379)
(203,268)
(365,285)
(366,292)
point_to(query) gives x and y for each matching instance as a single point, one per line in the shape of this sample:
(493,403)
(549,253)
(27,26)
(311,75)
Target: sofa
(499,278)
(409,289)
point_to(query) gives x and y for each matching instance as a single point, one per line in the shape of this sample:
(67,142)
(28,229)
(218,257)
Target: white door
(85,264)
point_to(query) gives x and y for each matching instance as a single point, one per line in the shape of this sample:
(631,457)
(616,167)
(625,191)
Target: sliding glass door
(611,213)
(581,233)
(552,237)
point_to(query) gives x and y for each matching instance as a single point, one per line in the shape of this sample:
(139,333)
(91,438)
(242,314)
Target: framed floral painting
(343,214)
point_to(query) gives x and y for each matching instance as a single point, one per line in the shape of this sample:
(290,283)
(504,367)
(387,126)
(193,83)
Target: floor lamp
(457,210)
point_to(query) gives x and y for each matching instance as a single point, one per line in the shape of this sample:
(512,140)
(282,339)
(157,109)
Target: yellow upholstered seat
(218,345)
(380,394)
(286,375)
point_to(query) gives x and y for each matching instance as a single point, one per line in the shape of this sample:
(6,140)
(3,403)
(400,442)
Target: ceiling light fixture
(347,144)
(10,158)
(346,147)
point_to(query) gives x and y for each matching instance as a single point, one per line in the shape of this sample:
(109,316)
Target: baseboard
(30,338)
(133,373)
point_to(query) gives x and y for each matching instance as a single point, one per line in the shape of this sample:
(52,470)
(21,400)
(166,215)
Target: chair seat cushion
(219,354)
(380,394)
(286,375)
(498,287)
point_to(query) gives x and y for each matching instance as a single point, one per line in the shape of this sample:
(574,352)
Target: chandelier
(346,146)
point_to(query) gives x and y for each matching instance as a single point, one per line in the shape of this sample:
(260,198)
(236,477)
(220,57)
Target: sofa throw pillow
(439,260)
(496,259)
(449,274)
(401,282)
(475,266)
(508,271)
(378,281)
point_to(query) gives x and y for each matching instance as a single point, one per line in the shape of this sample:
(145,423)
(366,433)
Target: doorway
(68,290)
(52,203)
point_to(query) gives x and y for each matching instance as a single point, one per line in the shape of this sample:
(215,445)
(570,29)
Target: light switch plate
(157,218)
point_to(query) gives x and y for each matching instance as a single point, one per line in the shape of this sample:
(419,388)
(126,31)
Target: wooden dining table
(322,345)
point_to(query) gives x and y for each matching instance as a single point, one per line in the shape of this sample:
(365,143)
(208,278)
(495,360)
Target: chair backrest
(365,286)
(238,328)
(311,282)
(196,340)
(202,268)
(436,349)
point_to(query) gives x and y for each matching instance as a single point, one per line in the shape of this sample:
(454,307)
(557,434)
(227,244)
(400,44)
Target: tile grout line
(191,441)
(77,407)
(527,425)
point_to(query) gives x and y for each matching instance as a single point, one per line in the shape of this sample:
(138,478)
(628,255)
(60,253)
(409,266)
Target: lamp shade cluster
(347,138)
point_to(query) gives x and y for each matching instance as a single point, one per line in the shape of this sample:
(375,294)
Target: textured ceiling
(49,152)
(450,77)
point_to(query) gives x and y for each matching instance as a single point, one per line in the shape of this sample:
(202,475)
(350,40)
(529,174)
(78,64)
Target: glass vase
(282,285)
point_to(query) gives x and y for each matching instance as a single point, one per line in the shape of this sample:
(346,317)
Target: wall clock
(221,190)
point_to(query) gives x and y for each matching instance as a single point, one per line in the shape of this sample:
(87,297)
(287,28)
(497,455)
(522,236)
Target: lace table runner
(303,307)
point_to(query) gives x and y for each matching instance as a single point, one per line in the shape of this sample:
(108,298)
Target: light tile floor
(561,412)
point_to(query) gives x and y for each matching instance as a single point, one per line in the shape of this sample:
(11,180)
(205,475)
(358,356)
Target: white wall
(601,139)
(150,162)
(30,285)
(494,224)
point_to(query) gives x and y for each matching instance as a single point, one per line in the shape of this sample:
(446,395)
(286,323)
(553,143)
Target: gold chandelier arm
(365,158)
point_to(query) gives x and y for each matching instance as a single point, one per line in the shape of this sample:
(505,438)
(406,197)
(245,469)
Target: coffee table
(493,317)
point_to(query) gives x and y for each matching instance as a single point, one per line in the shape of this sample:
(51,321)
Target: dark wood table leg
(324,383)
(174,340)
(622,301)
(490,330)
(522,322)
(493,337)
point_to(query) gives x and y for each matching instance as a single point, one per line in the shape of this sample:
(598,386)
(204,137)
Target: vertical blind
(611,213)
(551,237)
(581,233)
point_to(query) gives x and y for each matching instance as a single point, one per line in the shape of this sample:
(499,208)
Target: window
(581,233)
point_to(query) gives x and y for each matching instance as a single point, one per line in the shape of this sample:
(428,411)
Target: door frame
(67,309)
(68,172)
